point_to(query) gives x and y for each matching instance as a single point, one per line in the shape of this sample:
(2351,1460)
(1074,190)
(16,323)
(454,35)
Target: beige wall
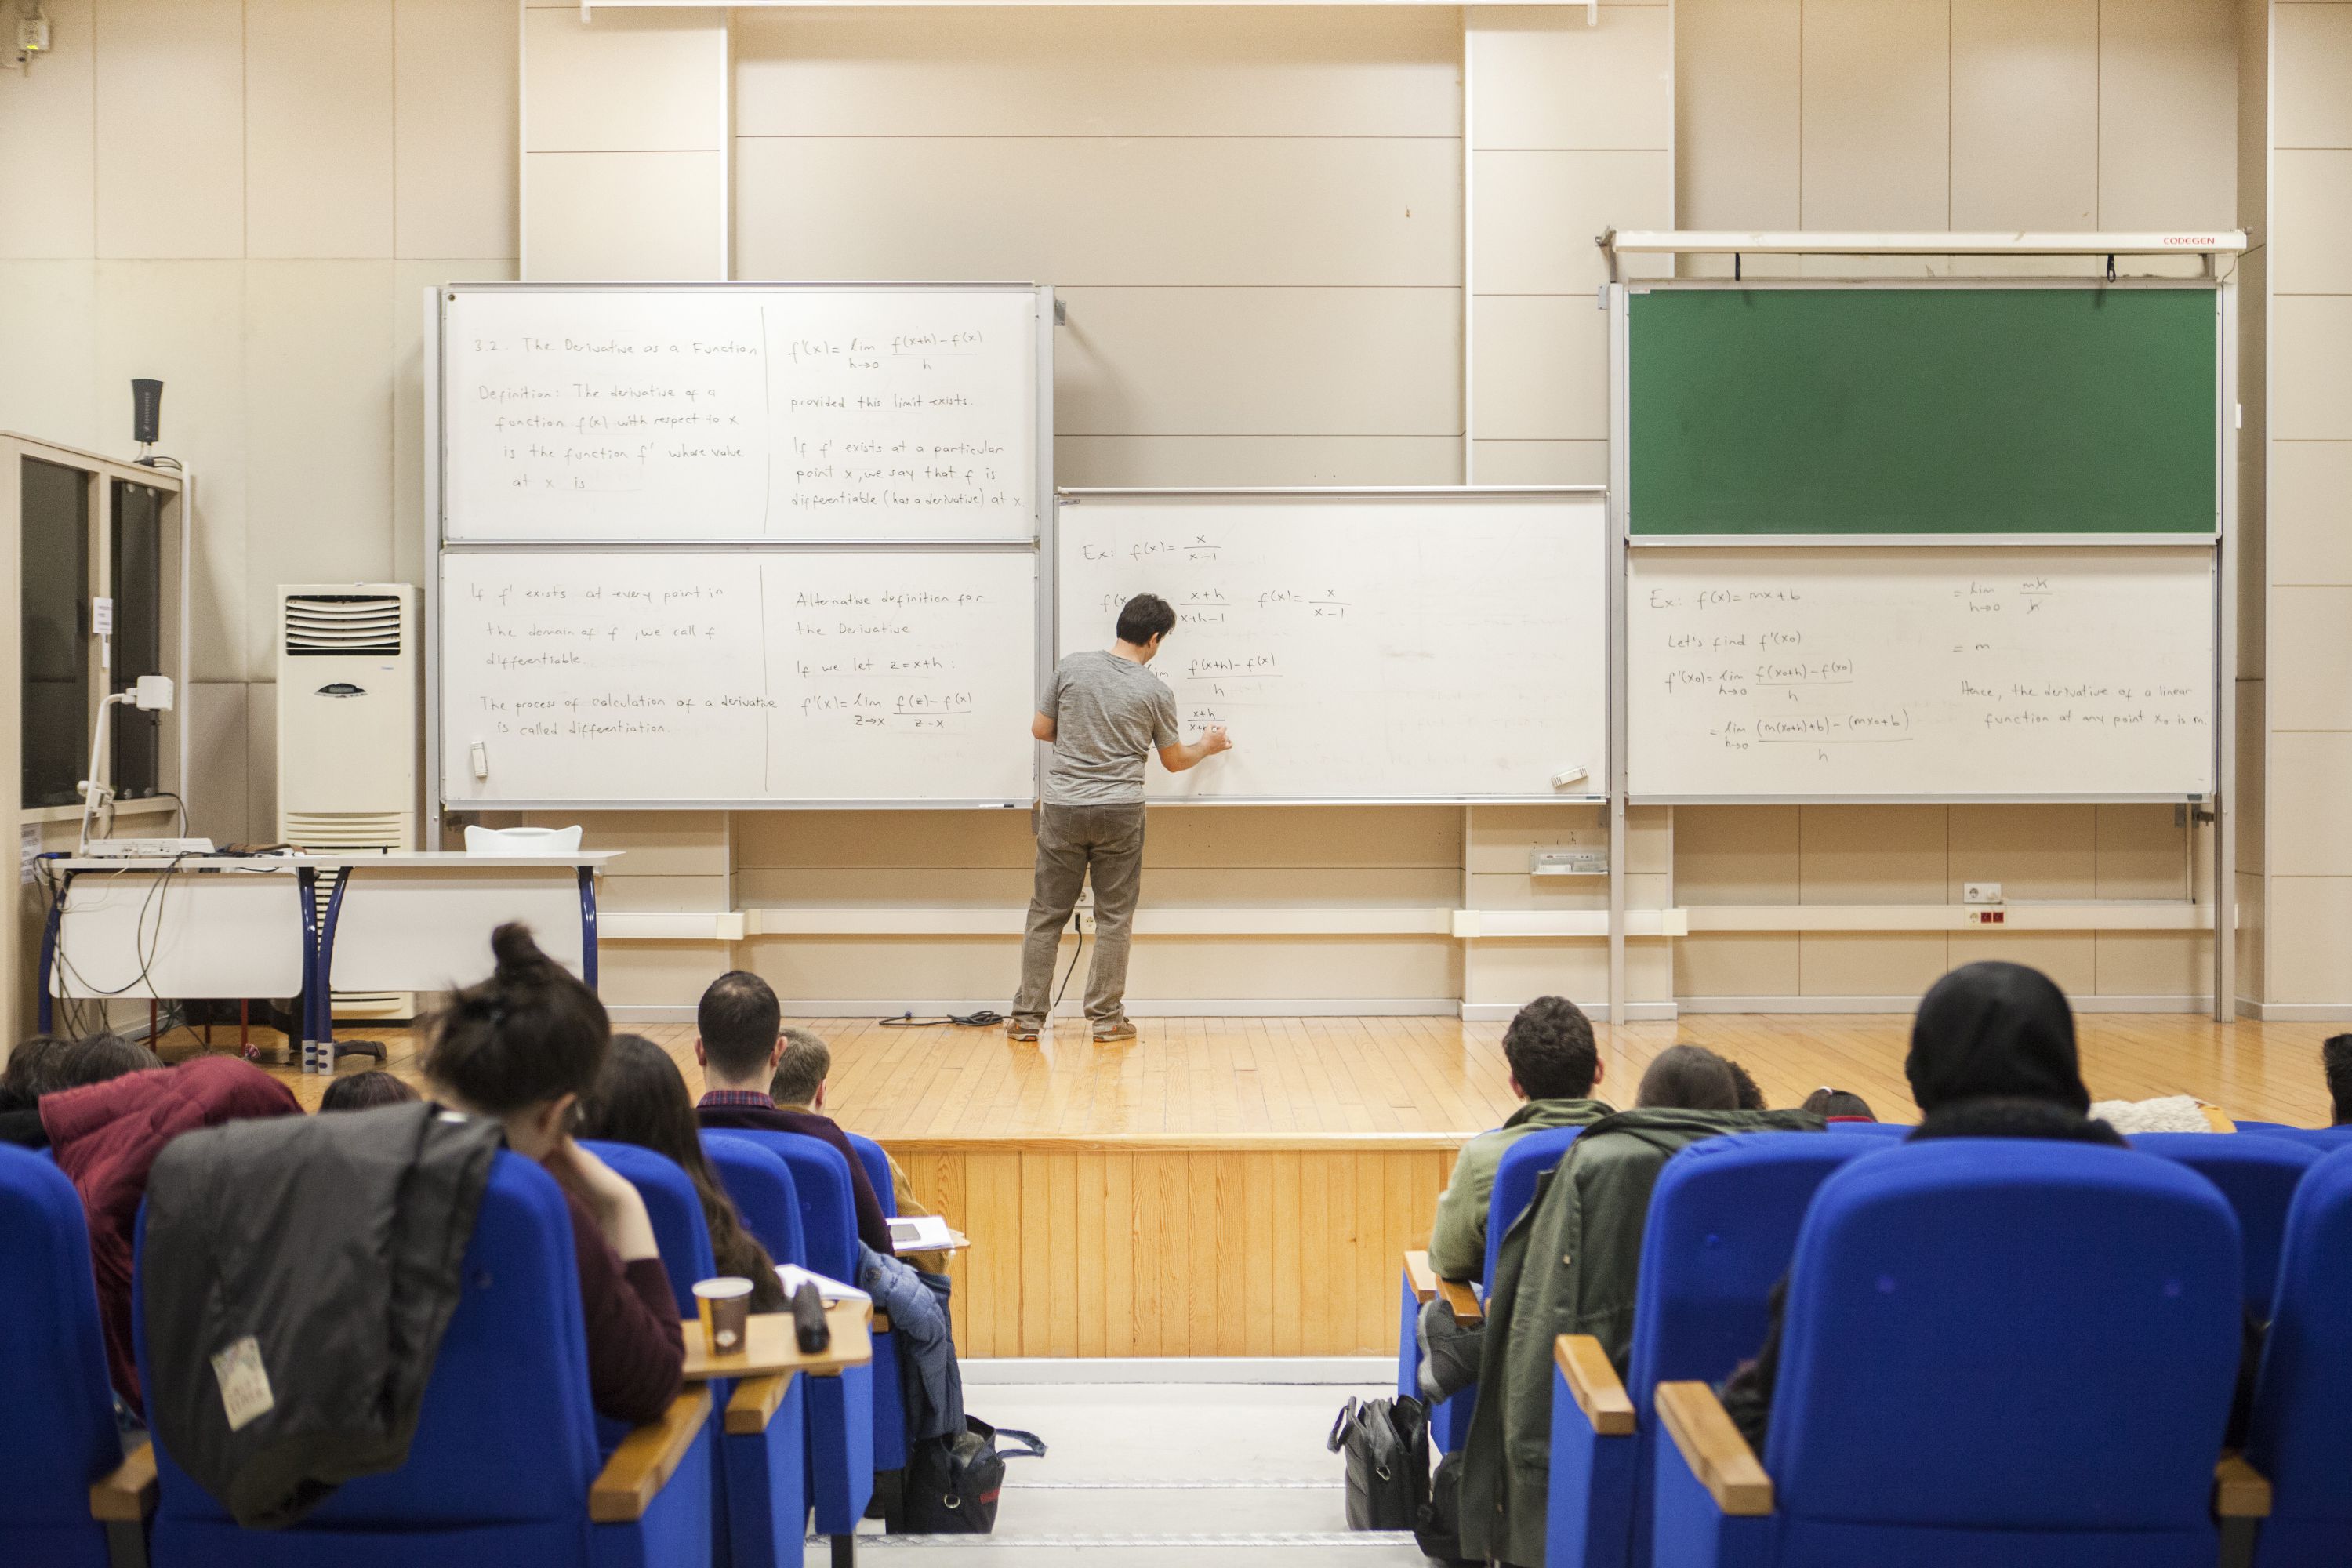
(1298,246)
(246,198)
(1945,114)
(2305,719)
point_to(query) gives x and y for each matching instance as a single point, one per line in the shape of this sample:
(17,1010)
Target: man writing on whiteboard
(1102,710)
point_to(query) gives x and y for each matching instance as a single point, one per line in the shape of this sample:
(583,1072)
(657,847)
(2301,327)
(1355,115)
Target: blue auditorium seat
(506,1450)
(2257,1176)
(2301,1436)
(773,1195)
(1722,1226)
(1994,1350)
(57,1433)
(877,1171)
(1516,1174)
(757,1489)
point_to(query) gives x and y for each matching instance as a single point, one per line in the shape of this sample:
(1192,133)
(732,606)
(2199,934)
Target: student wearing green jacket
(1555,1067)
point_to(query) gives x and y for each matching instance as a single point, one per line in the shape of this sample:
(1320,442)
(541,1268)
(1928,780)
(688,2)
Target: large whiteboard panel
(833,676)
(1447,644)
(1934,673)
(724,413)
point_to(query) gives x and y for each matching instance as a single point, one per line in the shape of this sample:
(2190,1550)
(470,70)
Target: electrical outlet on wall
(1979,892)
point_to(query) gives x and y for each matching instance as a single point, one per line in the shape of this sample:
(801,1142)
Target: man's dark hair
(1147,615)
(1751,1093)
(1688,1078)
(2336,1060)
(101,1057)
(801,1070)
(366,1091)
(1550,1049)
(738,1018)
(1827,1101)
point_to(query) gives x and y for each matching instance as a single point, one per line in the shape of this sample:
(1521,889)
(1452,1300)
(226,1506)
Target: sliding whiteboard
(584,677)
(1361,645)
(714,412)
(1920,673)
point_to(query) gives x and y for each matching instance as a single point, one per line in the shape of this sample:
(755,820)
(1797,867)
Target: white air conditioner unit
(348,664)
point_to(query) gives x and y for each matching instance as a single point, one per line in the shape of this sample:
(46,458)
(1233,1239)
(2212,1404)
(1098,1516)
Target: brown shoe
(1017,1030)
(1105,1034)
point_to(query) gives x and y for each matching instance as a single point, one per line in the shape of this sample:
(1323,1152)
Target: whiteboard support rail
(1919,540)
(1866,242)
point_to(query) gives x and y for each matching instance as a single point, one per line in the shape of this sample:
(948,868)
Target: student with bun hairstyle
(640,1098)
(523,1046)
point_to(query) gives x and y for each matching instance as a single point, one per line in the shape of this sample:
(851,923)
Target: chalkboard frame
(2221,541)
(1038,543)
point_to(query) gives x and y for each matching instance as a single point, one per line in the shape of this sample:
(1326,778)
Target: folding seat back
(2004,1349)
(2301,1437)
(2259,1177)
(878,1169)
(1722,1226)
(506,1447)
(58,1434)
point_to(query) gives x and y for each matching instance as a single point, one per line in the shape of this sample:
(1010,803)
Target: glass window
(56,606)
(135,748)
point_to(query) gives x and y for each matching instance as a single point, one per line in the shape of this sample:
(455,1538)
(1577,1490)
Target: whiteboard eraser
(481,761)
(1566,776)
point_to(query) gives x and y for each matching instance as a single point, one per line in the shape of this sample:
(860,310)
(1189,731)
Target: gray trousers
(1072,842)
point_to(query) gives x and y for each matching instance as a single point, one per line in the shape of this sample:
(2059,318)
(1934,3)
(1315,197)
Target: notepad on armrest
(925,1233)
(828,1291)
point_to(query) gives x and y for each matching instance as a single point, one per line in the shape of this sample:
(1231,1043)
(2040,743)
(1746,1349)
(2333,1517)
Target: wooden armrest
(1417,1273)
(881,1322)
(1461,1301)
(755,1402)
(2240,1490)
(128,1493)
(2216,1118)
(1599,1393)
(647,1460)
(1718,1455)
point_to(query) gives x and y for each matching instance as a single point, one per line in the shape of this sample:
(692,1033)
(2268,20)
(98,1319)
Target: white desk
(249,925)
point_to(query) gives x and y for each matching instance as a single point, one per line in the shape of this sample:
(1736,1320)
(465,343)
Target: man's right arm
(1192,753)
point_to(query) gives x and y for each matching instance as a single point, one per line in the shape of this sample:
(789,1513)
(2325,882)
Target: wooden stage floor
(1243,1186)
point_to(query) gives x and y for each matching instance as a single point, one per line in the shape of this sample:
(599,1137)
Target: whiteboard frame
(1039,545)
(1052,641)
(1041,365)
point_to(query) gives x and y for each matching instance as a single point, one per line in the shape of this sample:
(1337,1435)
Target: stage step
(1150,1475)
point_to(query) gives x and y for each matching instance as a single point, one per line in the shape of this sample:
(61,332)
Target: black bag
(952,1482)
(1387,1446)
(1438,1531)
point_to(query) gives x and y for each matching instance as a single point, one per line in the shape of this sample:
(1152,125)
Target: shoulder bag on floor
(1386,1442)
(952,1483)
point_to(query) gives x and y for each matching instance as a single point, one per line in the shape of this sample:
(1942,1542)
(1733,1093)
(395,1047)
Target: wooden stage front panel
(1243,1186)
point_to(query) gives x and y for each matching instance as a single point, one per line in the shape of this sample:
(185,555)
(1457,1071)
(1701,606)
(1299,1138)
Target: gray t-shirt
(1107,711)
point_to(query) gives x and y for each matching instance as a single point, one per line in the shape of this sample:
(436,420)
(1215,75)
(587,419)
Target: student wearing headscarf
(1992,1056)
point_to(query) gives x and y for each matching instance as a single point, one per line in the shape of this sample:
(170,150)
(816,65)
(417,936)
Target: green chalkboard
(1922,410)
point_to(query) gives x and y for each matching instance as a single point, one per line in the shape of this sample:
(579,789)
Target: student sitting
(740,1043)
(522,1046)
(44,1065)
(2335,1061)
(640,1098)
(366,1091)
(106,1137)
(1555,1067)
(1837,1105)
(1572,1267)
(1992,1056)
(798,1084)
